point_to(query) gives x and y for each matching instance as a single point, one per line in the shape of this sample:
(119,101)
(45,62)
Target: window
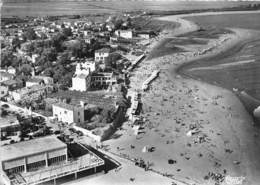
(65,112)
(78,120)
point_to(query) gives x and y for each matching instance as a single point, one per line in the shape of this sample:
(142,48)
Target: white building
(103,79)
(86,67)
(81,82)
(82,77)
(127,34)
(11,70)
(46,79)
(5,76)
(102,54)
(68,113)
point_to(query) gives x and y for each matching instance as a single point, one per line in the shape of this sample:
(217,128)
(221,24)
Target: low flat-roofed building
(9,126)
(127,34)
(46,79)
(5,76)
(146,34)
(32,92)
(103,79)
(32,154)
(33,81)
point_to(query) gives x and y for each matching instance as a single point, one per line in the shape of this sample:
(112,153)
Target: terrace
(81,163)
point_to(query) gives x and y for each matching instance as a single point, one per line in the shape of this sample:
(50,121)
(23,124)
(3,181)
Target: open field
(101,99)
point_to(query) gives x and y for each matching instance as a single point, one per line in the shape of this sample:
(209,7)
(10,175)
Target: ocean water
(58,7)
(246,21)
(244,72)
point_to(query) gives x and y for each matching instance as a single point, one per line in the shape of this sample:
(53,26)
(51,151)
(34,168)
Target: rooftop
(82,76)
(8,120)
(64,105)
(32,88)
(30,147)
(103,50)
(10,82)
(36,80)
(6,74)
(102,74)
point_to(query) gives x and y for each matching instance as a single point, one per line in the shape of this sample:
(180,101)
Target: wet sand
(230,143)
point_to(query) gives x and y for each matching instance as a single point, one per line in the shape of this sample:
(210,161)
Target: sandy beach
(225,141)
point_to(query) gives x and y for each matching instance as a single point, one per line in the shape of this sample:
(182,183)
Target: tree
(29,34)
(57,41)
(118,23)
(64,59)
(26,69)
(16,42)
(67,32)
(111,60)
(50,54)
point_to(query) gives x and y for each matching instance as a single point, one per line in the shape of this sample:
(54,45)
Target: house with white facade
(5,76)
(46,79)
(68,113)
(127,34)
(33,81)
(103,79)
(102,54)
(81,80)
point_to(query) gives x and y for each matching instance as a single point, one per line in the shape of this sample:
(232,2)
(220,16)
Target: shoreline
(174,102)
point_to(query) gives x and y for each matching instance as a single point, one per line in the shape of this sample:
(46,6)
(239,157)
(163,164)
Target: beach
(173,103)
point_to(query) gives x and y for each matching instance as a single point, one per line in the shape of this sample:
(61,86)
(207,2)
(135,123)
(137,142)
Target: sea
(22,8)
